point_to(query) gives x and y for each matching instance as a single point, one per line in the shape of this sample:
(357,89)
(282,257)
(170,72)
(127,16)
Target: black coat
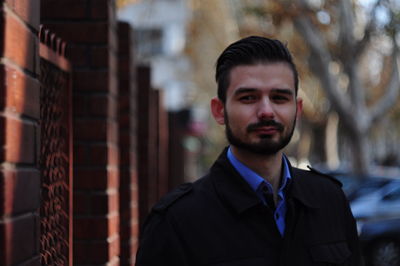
(218,220)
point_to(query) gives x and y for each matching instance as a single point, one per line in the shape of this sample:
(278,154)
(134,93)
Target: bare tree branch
(346,22)
(370,28)
(361,45)
(322,58)
(392,91)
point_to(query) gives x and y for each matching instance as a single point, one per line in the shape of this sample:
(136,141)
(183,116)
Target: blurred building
(160,38)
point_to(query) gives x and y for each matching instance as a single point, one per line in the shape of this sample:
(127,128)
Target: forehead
(262,76)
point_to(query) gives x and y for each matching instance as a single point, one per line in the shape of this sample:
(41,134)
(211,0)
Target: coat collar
(237,193)
(231,187)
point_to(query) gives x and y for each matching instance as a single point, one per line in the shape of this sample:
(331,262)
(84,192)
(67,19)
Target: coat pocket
(330,254)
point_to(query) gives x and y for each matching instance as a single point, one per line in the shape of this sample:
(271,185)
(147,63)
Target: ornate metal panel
(55,161)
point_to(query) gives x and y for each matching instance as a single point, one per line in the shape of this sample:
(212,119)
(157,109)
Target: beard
(266,145)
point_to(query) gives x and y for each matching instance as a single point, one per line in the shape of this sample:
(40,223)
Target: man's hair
(250,51)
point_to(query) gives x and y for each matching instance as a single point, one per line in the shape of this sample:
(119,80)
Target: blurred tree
(346,47)
(352,51)
(336,52)
(212,28)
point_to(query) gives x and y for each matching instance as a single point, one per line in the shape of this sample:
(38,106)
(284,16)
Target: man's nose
(265,110)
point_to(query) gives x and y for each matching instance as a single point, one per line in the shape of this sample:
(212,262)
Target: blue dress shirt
(256,182)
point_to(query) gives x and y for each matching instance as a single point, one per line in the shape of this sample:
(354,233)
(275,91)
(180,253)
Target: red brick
(99,56)
(98,155)
(80,105)
(80,252)
(124,103)
(20,146)
(23,93)
(89,80)
(91,178)
(21,191)
(78,55)
(20,236)
(125,180)
(81,154)
(27,10)
(2,83)
(20,43)
(98,105)
(134,178)
(112,132)
(113,107)
(113,176)
(113,155)
(91,130)
(81,203)
(103,204)
(124,67)
(124,159)
(2,138)
(64,9)
(96,252)
(95,227)
(96,179)
(81,32)
(99,9)
(124,38)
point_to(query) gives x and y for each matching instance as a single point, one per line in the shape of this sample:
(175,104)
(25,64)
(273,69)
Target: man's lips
(265,127)
(266,130)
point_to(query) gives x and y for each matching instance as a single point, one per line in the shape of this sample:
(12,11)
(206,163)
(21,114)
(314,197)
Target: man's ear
(217,110)
(299,107)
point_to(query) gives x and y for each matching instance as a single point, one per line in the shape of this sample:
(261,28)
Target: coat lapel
(234,191)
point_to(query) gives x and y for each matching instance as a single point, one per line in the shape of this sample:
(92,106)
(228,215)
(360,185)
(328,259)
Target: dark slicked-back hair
(250,51)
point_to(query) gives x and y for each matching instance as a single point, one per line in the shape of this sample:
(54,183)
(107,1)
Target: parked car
(380,242)
(381,201)
(355,186)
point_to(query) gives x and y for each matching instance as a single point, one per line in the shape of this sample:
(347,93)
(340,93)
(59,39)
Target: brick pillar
(178,127)
(127,143)
(147,142)
(162,145)
(90,29)
(19,133)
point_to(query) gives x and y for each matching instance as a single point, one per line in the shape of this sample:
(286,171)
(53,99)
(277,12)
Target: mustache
(265,123)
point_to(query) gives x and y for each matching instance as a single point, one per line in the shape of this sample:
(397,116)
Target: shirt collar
(255,180)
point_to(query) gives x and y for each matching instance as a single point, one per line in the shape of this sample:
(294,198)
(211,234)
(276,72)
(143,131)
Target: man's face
(260,109)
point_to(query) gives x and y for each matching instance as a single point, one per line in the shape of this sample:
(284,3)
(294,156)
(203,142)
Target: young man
(253,208)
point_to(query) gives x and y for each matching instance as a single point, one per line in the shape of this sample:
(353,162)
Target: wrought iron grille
(55,112)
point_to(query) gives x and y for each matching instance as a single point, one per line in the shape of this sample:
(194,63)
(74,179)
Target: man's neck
(268,167)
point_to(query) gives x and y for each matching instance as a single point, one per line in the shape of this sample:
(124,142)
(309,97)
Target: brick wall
(178,127)
(162,145)
(153,144)
(19,133)
(147,141)
(127,146)
(114,107)
(90,29)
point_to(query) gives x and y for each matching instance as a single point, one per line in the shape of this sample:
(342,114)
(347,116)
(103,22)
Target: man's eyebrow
(244,90)
(283,91)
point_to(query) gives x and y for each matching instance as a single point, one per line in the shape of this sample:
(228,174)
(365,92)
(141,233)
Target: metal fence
(55,152)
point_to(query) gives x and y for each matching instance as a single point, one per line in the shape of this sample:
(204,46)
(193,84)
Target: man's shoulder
(316,189)
(172,197)
(187,194)
(314,176)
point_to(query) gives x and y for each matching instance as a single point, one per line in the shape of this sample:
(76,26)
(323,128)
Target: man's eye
(247,98)
(280,98)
